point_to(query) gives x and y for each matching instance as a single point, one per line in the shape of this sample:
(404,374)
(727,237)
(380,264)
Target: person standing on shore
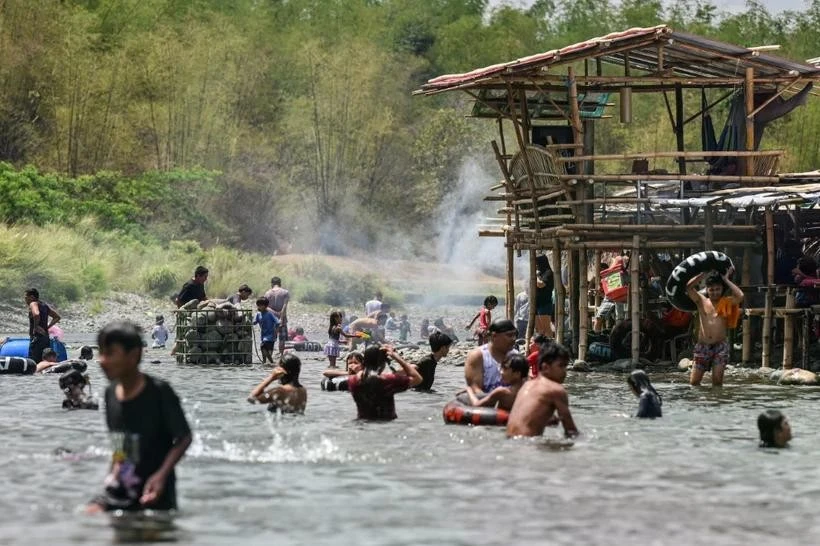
(39,324)
(193,289)
(278,299)
(521,312)
(242,295)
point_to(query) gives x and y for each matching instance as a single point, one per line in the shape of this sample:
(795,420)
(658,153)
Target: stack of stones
(214,332)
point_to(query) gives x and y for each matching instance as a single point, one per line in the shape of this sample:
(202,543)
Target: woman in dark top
(649,403)
(373,391)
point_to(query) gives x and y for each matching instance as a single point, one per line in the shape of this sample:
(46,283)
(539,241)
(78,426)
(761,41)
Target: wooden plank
(631,178)
(749,90)
(671,155)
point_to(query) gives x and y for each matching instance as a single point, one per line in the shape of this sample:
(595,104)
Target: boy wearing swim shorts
(716,314)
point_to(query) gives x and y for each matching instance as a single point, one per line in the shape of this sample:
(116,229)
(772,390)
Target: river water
(693,477)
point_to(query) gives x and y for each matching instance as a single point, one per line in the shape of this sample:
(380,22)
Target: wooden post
(749,145)
(533,289)
(745,281)
(767,317)
(709,228)
(634,304)
(808,317)
(510,281)
(597,266)
(572,255)
(679,138)
(560,294)
(788,332)
(583,303)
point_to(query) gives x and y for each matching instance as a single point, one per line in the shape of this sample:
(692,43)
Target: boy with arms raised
(148,430)
(540,399)
(716,313)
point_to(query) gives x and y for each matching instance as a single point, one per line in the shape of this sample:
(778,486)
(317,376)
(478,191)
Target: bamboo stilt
(597,266)
(634,304)
(560,295)
(746,280)
(533,289)
(583,304)
(572,256)
(767,318)
(749,90)
(510,282)
(788,332)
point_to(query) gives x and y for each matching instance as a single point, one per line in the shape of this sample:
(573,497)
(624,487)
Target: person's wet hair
(49,353)
(714,278)
(540,339)
(371,387)
(490,300)
(439,340)
(518,363)
(123,333)
(262,301)
(550,352)
(86,353)
(34,293)
(200,271)
(639,382)
(502,326)
(71,378)
(292,366)
(769,423)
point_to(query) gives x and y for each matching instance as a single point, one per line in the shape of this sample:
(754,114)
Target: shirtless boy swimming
(716,313)
(540,399)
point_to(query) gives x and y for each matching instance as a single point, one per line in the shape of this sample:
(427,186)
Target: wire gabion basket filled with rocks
(214,332)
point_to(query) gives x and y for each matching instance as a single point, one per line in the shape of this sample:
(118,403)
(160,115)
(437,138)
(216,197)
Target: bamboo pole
(788,332)
(670,155)
(607,245)
(746,280)
(669,178)
(560,312)
(583,304)
(645,228)
(533,290)
(808,317)
(597,265)
(709,228)
(634,304)
(510,281)
(572,263)
(767,318)
(522,146)
(749,90)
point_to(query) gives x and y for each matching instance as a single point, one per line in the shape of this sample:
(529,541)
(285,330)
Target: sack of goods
(214,332)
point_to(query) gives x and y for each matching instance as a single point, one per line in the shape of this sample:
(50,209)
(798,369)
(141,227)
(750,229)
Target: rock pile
(214,332)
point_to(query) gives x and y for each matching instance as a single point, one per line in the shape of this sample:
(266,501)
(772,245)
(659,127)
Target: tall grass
(83,262)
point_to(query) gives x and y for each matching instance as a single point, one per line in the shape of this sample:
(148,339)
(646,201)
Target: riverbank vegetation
(282,126)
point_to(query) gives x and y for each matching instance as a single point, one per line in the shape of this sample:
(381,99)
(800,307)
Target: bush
(160,281)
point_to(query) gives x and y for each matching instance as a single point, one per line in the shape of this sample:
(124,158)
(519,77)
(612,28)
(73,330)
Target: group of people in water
(150,434)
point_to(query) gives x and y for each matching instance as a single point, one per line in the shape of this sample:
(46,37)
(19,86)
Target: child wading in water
(485,318)
(268,324)
(649,403)
(148,430)
(716,313)
(540,399)
(334,334)
(775,430)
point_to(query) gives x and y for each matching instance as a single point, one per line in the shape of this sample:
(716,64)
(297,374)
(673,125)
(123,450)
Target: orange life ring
(457,413)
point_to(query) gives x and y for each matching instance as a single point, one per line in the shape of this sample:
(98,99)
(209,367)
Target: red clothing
(382,405)
(532,358)
(484,320)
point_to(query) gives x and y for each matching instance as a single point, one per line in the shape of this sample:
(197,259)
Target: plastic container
(18,346)
(614,283)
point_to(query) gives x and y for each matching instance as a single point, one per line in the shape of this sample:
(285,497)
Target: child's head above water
(514,369)
(120,348)
(775,430)
(354,362)
(49,355)
(72,384)
(439,341)
(86,353)
(553,360)
(639,382)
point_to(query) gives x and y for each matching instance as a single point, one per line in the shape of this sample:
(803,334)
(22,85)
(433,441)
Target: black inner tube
(702,262)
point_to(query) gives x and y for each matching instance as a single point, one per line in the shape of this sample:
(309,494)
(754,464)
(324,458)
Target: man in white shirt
(374,305)
(522,312)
